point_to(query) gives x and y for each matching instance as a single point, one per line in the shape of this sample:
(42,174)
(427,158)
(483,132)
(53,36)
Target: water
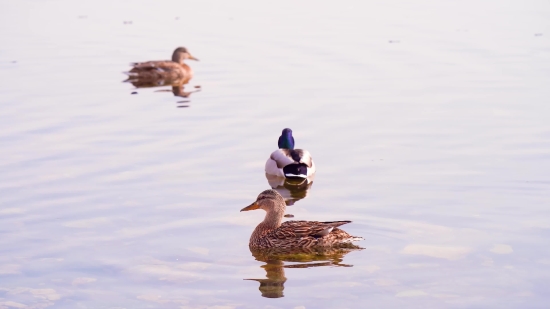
(428,122)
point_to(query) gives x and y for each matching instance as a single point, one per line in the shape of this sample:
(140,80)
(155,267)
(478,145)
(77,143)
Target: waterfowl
(271,233)
(289,162)
(167,71)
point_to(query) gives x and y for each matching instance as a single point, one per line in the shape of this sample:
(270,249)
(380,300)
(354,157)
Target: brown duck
(174,71)
(270,233)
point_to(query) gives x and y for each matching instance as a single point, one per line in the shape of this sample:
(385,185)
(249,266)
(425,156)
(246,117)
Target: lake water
(429,123)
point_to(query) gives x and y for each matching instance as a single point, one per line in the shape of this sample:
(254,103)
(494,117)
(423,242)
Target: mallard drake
(165,70)
(270,233)
(289,162)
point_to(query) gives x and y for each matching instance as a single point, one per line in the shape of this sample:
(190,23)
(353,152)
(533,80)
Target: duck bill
(252,206)
(193,58)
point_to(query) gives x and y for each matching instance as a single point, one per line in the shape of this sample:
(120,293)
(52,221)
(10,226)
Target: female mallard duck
(292,234)
(164,70)
(289,162)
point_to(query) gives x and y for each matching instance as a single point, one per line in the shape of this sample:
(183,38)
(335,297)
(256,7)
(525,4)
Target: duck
(167,71)
(272,233)
(289,162)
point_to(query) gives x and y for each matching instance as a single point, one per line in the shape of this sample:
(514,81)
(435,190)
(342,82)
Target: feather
(297,156)
(271,168)
(281,158)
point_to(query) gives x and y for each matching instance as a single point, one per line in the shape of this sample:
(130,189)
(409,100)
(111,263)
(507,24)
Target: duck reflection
(292,190)
(178,86)
(273,285)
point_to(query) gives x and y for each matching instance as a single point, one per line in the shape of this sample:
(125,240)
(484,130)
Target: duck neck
(178,57)
(286,141)
(274,214)
(273,219)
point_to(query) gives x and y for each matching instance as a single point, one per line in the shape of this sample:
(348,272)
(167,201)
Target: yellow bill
(252,206)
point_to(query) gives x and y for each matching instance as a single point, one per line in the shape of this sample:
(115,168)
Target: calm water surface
(428,121)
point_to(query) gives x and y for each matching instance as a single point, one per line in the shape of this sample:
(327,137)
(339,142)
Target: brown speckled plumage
(168,71)
(271,233)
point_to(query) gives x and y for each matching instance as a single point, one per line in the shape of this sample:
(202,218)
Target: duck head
(180,54)
(286,140)
(270,201)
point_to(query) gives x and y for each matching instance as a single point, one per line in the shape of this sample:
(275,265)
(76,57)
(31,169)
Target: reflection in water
(292,190)
(178,86)
(273,285)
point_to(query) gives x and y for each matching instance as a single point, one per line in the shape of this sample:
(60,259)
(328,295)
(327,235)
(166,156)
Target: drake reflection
(273,285)
(292,190)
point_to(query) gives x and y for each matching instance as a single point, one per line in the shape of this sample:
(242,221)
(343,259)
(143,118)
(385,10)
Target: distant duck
(270,233)
(165,70)
(289,162)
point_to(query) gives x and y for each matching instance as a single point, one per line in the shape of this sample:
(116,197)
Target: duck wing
(155,65)
(284,157)
(299,229)
(302,156)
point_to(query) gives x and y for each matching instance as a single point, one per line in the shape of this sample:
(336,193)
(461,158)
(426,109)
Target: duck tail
(298,170)
(336,223)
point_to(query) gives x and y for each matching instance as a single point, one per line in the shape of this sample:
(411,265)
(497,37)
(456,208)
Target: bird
(289,162)
(166,72)
(271,233)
